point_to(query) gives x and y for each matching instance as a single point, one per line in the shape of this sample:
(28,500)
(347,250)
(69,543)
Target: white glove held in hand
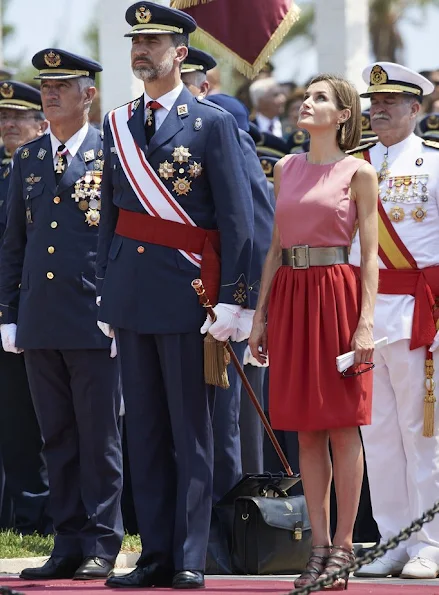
(106,329)
(113,348)
(245,324)
(250,359)
(8,333)
(435,343)
(226,324)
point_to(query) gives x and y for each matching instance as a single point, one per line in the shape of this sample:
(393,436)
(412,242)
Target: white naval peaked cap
(388,77)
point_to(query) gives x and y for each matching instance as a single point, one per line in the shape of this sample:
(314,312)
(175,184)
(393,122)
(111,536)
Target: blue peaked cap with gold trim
(19,96)
(149,18)
(58,64)
(198,61)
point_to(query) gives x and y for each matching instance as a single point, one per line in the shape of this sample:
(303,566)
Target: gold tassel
(216,360)
(182,4)
(429,399)
(220,50)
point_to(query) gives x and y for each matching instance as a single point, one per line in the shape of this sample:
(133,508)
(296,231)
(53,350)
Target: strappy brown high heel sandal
(314,567)
(339,556)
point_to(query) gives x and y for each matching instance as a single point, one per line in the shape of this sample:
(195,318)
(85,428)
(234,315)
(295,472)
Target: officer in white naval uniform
(402,463)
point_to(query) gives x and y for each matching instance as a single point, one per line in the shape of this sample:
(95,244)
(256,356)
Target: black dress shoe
(55,567)
(141,577)
(93,568)
(188,579)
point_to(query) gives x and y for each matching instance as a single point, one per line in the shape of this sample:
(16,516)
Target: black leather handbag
(271,535)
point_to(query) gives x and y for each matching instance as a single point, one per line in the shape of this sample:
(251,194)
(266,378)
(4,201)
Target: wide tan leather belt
(303,257)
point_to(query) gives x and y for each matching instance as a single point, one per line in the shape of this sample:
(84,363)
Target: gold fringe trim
(216,360)
(182,4)
(429,400)
(244,67)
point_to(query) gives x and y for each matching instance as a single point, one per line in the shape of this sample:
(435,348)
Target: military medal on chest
(87,195)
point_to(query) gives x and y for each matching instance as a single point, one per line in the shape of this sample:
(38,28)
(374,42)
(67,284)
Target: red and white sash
(146,184)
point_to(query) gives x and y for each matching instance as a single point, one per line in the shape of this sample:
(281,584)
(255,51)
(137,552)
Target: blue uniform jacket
(263,215)
(5,176)
(149,290)
(47,261)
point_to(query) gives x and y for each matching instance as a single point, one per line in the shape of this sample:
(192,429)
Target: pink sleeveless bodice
(314,205)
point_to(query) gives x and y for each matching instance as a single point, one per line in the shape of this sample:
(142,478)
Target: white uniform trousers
(402,465)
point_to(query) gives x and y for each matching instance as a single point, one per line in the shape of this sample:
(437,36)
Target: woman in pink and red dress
(316,309)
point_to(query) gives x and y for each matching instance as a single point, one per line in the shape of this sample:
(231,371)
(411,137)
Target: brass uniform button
(50,249)
(50,275)
(54,225)
(57,200)
(140,249)
(1,313)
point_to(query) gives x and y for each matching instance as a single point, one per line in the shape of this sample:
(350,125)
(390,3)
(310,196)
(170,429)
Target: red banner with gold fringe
(244,32)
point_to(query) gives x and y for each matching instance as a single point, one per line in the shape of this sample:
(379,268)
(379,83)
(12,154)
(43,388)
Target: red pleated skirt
(312,316)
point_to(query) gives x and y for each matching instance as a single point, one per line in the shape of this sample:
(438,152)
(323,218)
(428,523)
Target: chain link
(372,555)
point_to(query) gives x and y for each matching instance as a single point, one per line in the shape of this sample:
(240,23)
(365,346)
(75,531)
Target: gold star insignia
(397,214)
(419,214)
(166,170)
(93,217)
(182,186)
(195,169)
(181,154)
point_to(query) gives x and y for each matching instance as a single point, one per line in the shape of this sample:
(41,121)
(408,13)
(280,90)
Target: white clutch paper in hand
(346,360)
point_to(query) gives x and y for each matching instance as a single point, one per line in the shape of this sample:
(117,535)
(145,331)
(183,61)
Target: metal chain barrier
(375,553)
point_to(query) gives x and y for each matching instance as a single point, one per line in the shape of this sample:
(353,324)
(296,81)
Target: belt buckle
(299,254)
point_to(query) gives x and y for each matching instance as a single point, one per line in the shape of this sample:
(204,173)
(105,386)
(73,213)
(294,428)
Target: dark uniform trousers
(167,412)
(21,446)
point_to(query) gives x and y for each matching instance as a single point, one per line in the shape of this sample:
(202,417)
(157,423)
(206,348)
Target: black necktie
(61,164)
(151,107)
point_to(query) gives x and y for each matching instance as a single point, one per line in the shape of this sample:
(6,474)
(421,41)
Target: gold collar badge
(7,91)
(52,59)
(143,15)
(378,75)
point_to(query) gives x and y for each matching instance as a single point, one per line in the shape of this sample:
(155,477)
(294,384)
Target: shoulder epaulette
(361,148)
(210,104)
(431,143)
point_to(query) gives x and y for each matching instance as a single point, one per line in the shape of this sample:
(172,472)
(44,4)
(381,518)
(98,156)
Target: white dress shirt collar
(72,144)
(166,101)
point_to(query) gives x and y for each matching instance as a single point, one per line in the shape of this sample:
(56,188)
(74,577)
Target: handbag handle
(263,491)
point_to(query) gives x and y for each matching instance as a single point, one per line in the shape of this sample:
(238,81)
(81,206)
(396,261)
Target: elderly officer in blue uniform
(237,429)
(175,193)
(21,120)
(48,309)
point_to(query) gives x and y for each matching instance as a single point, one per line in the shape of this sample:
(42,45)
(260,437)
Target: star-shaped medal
(181,154)
(166,170)
(182,186)
(195,169)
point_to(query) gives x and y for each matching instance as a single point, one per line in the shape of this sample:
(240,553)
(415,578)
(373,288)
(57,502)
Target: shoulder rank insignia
(361,148)
(431,143)
(6,172)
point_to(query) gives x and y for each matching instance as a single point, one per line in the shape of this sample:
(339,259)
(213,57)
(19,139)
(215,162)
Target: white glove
(250,359)
(245,324)
(8,333)
(106,329)
(435,343)
(226,323)
(98,300)
(113,348)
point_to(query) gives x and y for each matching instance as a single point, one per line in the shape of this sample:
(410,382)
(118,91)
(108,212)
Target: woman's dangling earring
(337,127)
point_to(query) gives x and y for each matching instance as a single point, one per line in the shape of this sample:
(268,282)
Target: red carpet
(213,586)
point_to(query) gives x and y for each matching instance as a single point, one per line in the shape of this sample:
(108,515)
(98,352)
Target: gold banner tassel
(429,399)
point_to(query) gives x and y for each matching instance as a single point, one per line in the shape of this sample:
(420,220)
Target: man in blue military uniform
(48,309)
(175,193)
(21,120)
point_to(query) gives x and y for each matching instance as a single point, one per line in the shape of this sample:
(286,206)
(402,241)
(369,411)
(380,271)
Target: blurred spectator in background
(214,80)
(292,106)
(268,102)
